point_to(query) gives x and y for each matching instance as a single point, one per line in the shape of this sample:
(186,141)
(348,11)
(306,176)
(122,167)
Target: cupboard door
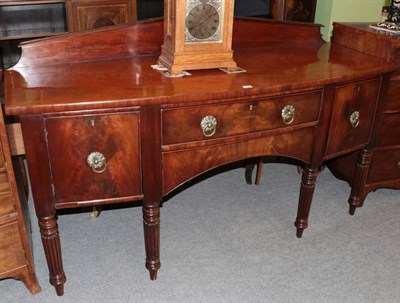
(385,165)
(94,157)
(352,116)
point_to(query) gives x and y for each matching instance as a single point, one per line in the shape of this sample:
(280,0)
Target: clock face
(203,18)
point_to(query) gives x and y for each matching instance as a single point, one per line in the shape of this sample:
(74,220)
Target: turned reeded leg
(52,248)
(308,182)
(151,224)
(357,196)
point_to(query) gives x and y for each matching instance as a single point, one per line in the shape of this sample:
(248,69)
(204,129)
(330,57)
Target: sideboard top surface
(123,81)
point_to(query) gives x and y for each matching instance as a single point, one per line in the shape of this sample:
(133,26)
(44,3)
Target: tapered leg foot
(299,233)
(358,195)
(301,225)
(60,290)
(307,187)
(153,275)
(52,248)
(352,210)
(151,223)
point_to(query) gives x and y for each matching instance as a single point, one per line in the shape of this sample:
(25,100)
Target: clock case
(178,55)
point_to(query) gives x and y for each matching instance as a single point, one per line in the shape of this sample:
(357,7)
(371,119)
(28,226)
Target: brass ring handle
(287,114)
(208,125)
(97,162)
(355,119)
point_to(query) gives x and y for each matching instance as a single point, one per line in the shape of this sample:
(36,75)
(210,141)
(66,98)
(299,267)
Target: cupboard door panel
(385,165)
(352,116)
(94,157)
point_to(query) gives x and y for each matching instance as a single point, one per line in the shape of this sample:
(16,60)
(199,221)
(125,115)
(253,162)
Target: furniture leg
(52,248)
(260,164)
(151,224)
(249,171)
(307,187)
(30,281)
(96,210)
(357,196)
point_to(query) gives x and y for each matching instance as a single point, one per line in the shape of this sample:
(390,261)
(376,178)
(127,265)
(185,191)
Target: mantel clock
(197,35)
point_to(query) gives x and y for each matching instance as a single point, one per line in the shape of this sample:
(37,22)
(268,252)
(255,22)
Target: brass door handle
(355,119)
(97,162)
(287,114)
(208,125)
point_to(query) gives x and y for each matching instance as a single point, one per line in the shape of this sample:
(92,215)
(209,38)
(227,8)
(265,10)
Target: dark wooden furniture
(91,14)
(15,252)
(377,165)
(101,126)
(293,10)
(22,20)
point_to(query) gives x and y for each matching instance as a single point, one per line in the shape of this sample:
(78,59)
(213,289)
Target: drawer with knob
(285,111)
(94,157)
(205,122)
(352,117)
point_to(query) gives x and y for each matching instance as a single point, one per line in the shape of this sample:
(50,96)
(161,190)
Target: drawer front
(12,253)
(76,147)
(6,201)
(180,166)
(385,165)
(205,122)
(393,95)
(352,116)
(285,111)
(390,130)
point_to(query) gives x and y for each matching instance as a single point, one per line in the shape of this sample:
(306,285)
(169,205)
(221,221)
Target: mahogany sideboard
(101,126)
(378,164)
(15,250)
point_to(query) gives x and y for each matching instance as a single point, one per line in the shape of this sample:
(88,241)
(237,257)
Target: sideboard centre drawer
(94,157)
(353,116)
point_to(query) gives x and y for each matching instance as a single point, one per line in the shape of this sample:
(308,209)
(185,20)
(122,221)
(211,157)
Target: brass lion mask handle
(355,119)
(208,125)
(287,114)
(97,162)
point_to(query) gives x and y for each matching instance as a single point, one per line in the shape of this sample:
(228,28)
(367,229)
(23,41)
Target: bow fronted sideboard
(101,126)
